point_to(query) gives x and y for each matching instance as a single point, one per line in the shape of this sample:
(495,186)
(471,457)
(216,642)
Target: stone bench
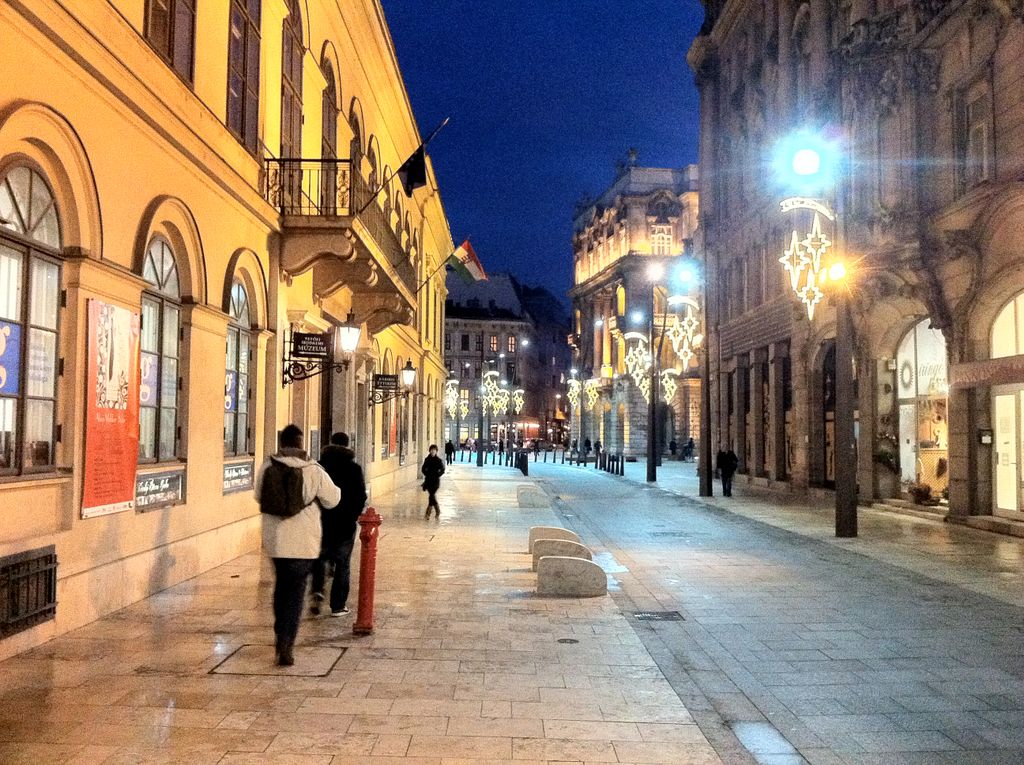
(560,547)
(550,532)
(570,577)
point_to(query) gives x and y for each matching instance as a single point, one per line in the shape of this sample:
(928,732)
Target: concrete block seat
(562,547)
(551,532)
(570,577)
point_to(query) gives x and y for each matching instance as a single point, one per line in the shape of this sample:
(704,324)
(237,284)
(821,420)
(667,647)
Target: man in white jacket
(294,542)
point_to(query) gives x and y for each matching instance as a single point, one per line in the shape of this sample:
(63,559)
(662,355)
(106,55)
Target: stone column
(787,81)
(757,409)
(867,400)
(777,407)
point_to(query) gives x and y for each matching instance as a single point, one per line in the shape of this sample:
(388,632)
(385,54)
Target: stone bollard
(370,522)
(563,456)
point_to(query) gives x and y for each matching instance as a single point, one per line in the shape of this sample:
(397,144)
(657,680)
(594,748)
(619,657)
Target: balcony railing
(327,188)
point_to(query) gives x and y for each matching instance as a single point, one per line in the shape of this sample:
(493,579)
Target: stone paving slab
(465,667)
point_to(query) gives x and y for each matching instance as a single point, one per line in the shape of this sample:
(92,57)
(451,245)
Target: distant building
(517,332)
(925,99)
(644,221)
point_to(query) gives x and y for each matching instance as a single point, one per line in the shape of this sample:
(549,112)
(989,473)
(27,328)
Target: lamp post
(807,165)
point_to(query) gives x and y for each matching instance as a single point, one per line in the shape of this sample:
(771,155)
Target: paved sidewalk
(983,562)
(810,650)
(466,666)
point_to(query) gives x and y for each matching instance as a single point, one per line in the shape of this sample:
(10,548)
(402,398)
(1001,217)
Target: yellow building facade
(211,168)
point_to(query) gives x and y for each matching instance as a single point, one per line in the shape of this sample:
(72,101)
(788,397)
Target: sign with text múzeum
(311,345)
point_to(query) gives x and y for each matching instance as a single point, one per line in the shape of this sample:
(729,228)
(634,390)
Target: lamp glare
(806,162)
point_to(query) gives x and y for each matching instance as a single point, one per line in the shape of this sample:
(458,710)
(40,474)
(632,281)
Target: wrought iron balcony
(320,198)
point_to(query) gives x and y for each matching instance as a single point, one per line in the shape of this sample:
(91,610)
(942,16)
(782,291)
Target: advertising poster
(111,410)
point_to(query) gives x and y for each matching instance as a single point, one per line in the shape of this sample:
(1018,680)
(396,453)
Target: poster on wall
(111,410)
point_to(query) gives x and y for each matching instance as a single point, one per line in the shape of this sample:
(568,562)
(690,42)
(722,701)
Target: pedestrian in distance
(449,452)
(536,446)
(575,446)
(672,446)
(291,489)
(586,448)
(689,451)
(501,446)
(339,525)
(433,469)
(597,449)
(726,463)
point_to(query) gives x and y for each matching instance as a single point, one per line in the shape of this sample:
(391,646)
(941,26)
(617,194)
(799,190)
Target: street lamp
(808,168)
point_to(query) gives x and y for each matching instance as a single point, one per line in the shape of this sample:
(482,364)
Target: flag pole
(387,180)
(434,272)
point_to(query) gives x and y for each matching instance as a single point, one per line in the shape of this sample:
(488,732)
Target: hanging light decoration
(575,387)
(645,388)
(638,358)
(451,398)
(591,389)
(806,258)
(490,392)
(501,399)
(518,400)
(464,408)
(684,333)
(669,386)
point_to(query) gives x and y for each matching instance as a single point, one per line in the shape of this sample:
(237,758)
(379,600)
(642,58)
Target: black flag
(413,172)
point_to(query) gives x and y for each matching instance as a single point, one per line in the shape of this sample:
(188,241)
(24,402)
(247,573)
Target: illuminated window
(161,352)
(237,432)
(244,72)
(512,342)
(170,29)
(494,344)
(29,312)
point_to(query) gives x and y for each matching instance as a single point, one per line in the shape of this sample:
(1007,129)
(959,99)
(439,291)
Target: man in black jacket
(339,524)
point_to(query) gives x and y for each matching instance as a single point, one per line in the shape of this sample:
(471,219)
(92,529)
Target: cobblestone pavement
(902,646)
(466,666)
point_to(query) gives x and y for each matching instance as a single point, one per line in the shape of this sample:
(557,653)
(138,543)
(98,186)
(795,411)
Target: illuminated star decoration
(590,388)
(518,400)
(464,408)
(683,333)
(804,258)
(490,393)
(575,386)
(669,386)
(795,261)
(637,359)
(451,397)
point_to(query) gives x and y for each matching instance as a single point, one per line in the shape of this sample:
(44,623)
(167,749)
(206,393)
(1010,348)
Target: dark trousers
(727,484)
(290,575)
(341,557)
(449,458)
(432,499)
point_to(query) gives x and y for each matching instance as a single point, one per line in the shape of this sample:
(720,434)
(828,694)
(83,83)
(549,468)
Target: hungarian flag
(466,264)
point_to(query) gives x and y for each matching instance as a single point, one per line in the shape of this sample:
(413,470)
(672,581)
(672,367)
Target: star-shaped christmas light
(795,261)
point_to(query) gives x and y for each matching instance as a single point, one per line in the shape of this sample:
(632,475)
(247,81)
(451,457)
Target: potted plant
(921,493)
(887,474)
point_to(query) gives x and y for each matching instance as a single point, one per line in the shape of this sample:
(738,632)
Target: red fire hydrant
(370,522)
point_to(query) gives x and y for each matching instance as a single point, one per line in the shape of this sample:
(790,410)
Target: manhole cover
(658,616)
(568,641)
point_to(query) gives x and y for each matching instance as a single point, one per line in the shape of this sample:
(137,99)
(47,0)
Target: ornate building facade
(206,170)
(624,246)
(922,100)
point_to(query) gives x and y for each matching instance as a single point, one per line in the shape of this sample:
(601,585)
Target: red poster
(111,411)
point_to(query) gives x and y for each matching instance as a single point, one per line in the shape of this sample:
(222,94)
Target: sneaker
(342,612)
(314,607)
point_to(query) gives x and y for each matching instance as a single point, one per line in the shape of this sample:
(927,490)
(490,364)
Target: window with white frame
(237,432)
(161,353)
(661,239)
(30,276)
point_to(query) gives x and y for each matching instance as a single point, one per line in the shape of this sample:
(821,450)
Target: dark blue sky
(544,96)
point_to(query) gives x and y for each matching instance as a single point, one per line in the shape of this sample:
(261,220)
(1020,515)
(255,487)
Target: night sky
(544,96)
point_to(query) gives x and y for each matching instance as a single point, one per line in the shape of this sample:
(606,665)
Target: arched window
(237,433)
(30,278)
(329,202)
(161,352)
(1008,330)
(1007,339)
(170,29)
(292,51)
(921,388)
(661,239)
(244,72)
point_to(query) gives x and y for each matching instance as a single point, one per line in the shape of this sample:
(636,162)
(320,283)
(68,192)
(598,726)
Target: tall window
(29,306)
(512,342)
(465,342)
(161,323)
(292,52)
(976,137)
(494,344)
(661,240)
(329,142)
(236,377)
(244,72)
(170,29)
(447,342)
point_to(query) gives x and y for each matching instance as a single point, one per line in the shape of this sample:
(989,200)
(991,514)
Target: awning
(977,374)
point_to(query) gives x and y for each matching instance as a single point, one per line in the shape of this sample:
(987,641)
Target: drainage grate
(28,589)
(658,616)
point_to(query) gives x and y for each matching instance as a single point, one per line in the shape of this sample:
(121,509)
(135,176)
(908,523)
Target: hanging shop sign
(156,490)
(238,476)
(111,410)
(310,345)
(976,374)
(387,383)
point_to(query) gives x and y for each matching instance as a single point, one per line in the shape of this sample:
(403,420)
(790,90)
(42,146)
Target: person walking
(597,449)
(449,452)
(291,489)
(672,446)
(586,448)
(501,447)
(433,469)
(339,525)
(726,463)
(689,450)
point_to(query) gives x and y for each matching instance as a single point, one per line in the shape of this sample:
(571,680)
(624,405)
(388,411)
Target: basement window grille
(28,589)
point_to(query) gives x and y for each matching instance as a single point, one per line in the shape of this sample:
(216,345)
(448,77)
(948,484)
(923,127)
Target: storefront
(922,390)
(1008,414)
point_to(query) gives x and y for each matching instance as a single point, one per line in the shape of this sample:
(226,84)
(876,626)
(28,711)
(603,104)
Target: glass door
(1007,432)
